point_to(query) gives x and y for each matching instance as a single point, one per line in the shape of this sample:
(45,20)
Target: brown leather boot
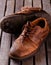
(30,40)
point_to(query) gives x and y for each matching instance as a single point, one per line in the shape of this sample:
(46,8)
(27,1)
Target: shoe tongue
(37,27)
(30,26)
(36,32)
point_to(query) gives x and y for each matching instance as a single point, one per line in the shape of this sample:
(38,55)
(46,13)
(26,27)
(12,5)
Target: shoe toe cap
(14,50)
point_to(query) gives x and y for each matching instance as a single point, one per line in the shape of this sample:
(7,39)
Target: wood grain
(6,38)
(2,8)
(47,8)
(19,4)
(40,58)
(37,3)
(28,3)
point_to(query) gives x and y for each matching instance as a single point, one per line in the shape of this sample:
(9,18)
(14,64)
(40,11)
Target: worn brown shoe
(30,40)
(29,10)
(13,23)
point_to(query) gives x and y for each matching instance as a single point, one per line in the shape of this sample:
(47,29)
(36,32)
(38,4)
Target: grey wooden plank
(14,62)
(29,61)
(18,5)
(40,58)
(10,7)
(28,3)
(6,38)
(37,3)
(5,45)
(2,8)
(47,7)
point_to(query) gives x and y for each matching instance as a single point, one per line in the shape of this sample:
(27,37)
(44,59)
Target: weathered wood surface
(28,3)
(37,3)
(47,7)
(6,38)
(19,4)
(43,57)
(2,10)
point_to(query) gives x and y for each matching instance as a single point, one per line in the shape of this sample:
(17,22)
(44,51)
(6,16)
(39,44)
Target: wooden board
(28,3)
(47,7)
(19,4)
(2,9)
(6,38)
(40,58)
(37,3)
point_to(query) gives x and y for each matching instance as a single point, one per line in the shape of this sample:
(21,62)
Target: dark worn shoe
(30,39)
(14,23)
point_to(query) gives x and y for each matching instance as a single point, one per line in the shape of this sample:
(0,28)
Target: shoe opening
(41,23)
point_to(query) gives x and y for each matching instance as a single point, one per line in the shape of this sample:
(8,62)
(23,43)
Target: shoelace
(28,31)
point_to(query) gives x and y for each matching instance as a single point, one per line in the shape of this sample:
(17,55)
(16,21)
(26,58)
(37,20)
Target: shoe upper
(30,39)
